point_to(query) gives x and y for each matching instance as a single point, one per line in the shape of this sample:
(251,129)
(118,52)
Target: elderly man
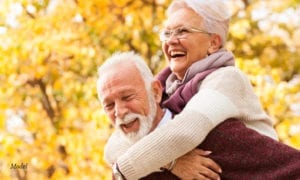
(133,106)
(130,98)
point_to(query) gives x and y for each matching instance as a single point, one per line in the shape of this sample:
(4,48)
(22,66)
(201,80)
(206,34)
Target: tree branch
(45,98)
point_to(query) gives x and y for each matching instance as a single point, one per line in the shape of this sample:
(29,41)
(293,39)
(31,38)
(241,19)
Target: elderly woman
(200,67)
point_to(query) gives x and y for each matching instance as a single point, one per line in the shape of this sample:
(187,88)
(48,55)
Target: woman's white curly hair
(215,14)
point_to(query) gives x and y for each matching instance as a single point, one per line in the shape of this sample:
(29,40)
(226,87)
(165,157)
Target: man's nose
(120,110)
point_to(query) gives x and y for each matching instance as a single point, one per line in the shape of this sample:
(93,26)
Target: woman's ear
(215,43)
(157,90)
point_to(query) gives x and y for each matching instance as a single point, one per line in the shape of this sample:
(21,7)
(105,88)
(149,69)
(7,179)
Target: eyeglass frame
(176,33)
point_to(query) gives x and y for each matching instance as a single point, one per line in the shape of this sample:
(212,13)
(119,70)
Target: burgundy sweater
(241,152)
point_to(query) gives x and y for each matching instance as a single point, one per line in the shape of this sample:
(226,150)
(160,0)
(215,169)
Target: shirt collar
(167,116)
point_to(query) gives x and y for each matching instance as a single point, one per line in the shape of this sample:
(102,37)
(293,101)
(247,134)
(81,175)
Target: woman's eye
(182,31)
(167,33)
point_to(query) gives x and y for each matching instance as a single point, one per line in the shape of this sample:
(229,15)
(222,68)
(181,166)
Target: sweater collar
(218,59)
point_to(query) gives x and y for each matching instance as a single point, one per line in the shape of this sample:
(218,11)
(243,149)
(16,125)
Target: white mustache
(128,119)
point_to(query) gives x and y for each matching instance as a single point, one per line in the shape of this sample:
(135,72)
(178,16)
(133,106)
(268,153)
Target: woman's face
(183,52)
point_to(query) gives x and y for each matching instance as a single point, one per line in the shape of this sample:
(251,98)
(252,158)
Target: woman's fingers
(208,173)
(201,152)
(209,163)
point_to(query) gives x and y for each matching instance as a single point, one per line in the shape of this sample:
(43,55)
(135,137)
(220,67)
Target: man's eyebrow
(122,92)
(128,91)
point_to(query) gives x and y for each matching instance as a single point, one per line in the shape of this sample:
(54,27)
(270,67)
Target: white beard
(146,122)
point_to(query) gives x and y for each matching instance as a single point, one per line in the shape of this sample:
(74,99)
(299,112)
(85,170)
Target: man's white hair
(215,14)
(131,58)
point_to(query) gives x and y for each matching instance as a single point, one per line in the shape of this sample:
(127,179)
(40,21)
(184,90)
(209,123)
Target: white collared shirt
(167,116)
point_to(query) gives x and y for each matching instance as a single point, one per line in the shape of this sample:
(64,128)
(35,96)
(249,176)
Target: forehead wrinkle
(120,79)
(181,16)
(175,27)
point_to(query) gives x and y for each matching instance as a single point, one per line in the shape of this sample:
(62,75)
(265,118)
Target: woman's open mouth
(177,54)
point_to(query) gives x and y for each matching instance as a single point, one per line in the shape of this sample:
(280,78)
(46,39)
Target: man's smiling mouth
(126,127)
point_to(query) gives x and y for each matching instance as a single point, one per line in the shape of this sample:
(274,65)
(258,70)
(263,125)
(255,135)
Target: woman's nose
(172,39)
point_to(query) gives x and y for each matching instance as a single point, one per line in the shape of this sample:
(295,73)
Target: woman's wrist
(170,166)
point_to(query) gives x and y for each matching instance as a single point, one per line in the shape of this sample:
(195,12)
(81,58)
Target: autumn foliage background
(50,117)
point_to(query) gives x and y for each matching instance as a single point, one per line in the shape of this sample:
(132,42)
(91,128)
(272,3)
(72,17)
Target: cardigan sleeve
(208,108)
(115,147)
(235,85)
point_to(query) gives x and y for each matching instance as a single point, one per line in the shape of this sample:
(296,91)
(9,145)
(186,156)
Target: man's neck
(159,115)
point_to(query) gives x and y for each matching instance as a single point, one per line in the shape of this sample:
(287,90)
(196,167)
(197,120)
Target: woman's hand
(195,165)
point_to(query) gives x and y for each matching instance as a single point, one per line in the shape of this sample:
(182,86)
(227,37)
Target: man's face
(126,101)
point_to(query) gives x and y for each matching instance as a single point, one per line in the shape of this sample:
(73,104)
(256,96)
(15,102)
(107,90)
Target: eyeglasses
(179,33)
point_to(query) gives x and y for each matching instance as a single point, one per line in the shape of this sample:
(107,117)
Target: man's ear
(157,90)
(215,43)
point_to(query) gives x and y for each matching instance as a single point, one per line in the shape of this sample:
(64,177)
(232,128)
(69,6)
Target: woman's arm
(194,164)
(205,110)
(115,147)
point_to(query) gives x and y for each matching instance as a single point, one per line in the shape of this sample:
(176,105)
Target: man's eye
(109,106)
(128,98)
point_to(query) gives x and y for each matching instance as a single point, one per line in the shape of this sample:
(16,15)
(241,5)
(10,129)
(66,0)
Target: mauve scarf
(214,61)
(176,93)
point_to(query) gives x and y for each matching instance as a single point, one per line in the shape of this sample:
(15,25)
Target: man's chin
(132,137)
